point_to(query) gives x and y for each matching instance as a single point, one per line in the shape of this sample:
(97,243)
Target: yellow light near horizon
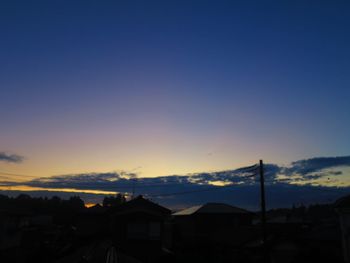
(88,205)
(219,183)
(67,190)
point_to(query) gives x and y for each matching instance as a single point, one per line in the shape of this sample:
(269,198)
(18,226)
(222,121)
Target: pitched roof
(343,202)
(212,208)
(141,204)
(94,210)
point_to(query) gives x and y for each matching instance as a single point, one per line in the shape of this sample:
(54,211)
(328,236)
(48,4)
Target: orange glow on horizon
(88,205)
(67,190)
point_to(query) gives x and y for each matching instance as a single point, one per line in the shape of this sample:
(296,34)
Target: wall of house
(344,218)
(191,228)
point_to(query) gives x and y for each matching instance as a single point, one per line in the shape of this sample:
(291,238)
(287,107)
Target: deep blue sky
(172,86)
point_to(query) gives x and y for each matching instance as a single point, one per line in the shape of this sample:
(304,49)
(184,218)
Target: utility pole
(263,209)
(133,188)
(133,177)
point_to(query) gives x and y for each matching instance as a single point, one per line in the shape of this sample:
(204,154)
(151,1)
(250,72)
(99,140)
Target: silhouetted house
(11,223)
(14,221)
(342,207)
(212,232)
(22,233)
(137,227)
(92,221)
(198,220)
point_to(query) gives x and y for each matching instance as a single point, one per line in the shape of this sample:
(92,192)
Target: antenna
(133,177)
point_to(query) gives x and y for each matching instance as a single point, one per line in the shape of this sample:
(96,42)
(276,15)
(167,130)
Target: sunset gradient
(161,88)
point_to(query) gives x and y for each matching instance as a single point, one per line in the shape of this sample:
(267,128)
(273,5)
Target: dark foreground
(54,230)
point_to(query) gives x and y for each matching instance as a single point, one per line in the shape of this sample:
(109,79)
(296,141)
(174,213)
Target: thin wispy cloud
(11,158)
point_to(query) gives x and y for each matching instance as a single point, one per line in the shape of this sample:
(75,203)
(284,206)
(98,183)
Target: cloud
(284,184)
(11,158)
(299,171)
(95,181)
(314,168)
(308,166)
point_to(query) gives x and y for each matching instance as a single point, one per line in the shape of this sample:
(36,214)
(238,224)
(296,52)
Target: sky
(171,87)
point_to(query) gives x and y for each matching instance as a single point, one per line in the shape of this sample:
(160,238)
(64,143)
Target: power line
(190,192)
(145,185)
(237,171)
(250,168)
(171,182)
(213,188)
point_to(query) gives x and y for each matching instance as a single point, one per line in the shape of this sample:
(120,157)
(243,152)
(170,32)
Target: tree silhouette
(110,201)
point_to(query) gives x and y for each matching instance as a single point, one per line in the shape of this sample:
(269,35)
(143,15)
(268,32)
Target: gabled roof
(94,210)
(343,202)
(140,204)
(212,208)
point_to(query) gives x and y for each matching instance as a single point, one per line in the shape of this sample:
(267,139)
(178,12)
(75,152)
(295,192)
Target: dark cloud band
(243,182)
(11,158)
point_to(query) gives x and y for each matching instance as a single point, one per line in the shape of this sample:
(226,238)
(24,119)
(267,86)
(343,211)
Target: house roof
(343,202)
(140,204)
(94,210)
(211,208)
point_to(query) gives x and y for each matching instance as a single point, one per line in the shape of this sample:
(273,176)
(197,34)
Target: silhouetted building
(92,221)
(342,207)
(213,232)
(11,223)
(202,219)
(137,227)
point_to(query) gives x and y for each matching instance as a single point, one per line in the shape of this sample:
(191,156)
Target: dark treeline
(110,201)
(63,211)
(26,203)
(53,205)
